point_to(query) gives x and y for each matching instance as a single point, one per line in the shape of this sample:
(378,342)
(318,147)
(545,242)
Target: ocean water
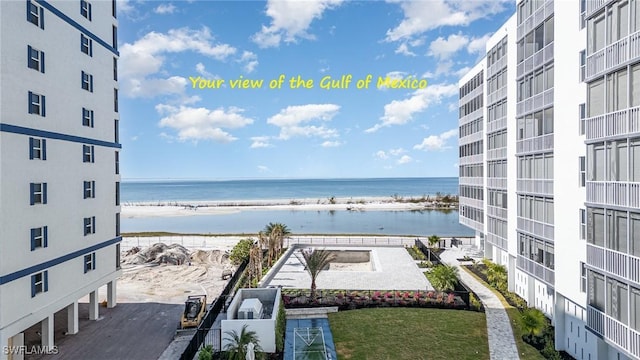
(419,223)
(153,191)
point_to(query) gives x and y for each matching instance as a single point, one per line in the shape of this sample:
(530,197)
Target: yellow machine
(194,309)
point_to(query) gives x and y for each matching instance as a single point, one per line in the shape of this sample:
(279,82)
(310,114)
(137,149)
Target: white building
(59,170)
(563,255)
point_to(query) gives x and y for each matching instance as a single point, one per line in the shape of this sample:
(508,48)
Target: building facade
(561,152)
(59,164)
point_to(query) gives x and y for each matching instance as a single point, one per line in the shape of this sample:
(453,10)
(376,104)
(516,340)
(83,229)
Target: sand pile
(174,254)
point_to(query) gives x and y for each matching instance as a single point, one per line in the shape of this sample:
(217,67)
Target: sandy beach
(178,208)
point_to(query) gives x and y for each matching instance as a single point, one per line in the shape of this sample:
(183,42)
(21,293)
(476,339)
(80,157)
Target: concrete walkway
(502,345)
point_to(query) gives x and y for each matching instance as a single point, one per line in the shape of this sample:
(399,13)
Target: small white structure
(258,309)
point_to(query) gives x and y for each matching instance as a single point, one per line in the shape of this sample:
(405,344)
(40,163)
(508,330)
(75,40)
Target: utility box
(250,309)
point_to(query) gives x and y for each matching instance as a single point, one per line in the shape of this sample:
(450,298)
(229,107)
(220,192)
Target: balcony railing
(536,269)
(497,212)
(535,103)
(468,139)
(500,153)
(477,181)
(594,6)
(497,183)
(615,262)
(619,193)
(497,241)
(472,159)
(535,186)
(536,228)
(534,19)
(613,55)
(472,94)
(617,123)
(499,94)
(478,204)
(497,66)
(471,116)
(613,330)
(535,144)
(471,223)
(497,124)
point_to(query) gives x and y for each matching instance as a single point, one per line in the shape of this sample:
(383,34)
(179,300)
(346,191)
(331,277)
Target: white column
(93,305)
(47,332)
(5,342)
(17,341)
(111,294)
(72,318)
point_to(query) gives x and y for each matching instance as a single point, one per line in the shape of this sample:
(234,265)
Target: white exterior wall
(63,170)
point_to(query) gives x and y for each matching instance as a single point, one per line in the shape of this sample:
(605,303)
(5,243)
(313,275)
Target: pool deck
(393,269)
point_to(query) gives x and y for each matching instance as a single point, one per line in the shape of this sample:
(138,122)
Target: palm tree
(316,261)
(236,348)
(433,240)
(276,232)
(497,276)
(533,322)
(444,277)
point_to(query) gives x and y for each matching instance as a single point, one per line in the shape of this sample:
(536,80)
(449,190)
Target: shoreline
(189,208)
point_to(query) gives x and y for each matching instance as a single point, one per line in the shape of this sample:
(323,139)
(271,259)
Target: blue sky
(171,130)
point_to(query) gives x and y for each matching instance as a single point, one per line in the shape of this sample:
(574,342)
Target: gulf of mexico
(158,191)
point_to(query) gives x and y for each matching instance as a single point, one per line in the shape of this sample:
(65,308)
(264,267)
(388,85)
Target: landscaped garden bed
(355,299)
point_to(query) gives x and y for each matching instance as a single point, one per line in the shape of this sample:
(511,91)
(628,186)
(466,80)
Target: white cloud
(143,60)
(250,61)
(455,165)
(462,71)
(165,9)
(400,112)
(443,48)
(405,159)
(403,49)
(331,143)
(124,7)
(203,71)
(263,169)
(293,121)
(422,16)
(290,20)
(478,45)
(393,75)
(201,123)
(380,154)
(436,142)
(396,152)
(260,142)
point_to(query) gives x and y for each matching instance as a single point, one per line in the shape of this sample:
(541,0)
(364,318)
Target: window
(635,309)
(634,235)
(617,230)
(116,130)
(89,225)
(617,301)
(115,69)
(87,117)
(583,63)
(596,164)
(87,81)
(583,277)
(114,34)
(583,171)
(595,289)
(548,31)
(88,153)
(85,9)
(634,159)
(117,193)
(86,45)
(35,14)
(89,189)
(115,100)
(37,148)
(617,91)
(117,256)
(595,228)
(35,59)
(582,109)
(595,98)
(595,34)
(583,224)
(634,83)
(39,238)
(113,8)
(38,193)
(117,160)
(89,262)
(36,104)
(117,224)
(39,283)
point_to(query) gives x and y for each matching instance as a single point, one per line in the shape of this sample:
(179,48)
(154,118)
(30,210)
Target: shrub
(474,303)
(240,251)
(206,353)
(443,277)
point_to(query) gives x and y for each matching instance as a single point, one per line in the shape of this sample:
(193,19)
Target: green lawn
(409,333)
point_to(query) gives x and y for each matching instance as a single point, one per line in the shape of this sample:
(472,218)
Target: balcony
(613,55)
(497,212)
(535,228)
(471,159)
(497,241)
(534,19)
(497,66)
(619,123)
(494,154)
(497,95)
(534,61)
(593,6)
(478,113)
(478,204)
(619,193)
(474,181)
(614,262)
(535,186)
(536,269)
(497,183)
(497,124)
(468,139)
(535,144)
(472,94)
(471,223)
(535,103)
(613,331)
